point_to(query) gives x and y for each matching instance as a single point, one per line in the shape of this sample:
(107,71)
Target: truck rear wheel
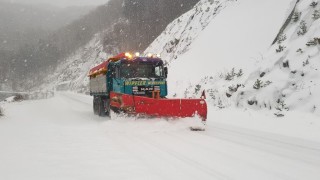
(95,107)
(101,106)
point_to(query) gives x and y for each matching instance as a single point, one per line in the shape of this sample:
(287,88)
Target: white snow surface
(60,138)
(221,34)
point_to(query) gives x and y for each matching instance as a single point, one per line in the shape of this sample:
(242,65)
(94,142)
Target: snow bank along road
(60,138)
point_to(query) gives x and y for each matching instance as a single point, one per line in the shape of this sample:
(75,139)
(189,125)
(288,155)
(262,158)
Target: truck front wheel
(103,107)
(107,107)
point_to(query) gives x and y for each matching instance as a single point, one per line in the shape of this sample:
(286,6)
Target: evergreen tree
(282,37)
(258,84)
(314,4)
(240,73)
(303,28)
(280,48)
(316,14)
(296,16)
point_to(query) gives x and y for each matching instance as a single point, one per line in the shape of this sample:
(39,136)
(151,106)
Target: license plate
(145,88)
(141,90)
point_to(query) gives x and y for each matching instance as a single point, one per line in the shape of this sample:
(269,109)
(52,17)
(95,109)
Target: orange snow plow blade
(176,108)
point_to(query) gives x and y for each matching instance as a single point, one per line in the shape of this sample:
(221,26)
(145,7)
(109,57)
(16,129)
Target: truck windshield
(141,71)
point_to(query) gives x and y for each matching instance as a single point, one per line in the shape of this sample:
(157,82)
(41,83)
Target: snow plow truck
(137,85)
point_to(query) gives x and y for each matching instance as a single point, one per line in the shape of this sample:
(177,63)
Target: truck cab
(140,76)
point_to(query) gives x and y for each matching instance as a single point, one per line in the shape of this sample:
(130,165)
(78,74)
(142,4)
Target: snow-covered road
(60,138)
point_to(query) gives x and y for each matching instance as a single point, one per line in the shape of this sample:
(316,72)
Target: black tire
(107,108)
(100,104)
(103,106)
(94,106)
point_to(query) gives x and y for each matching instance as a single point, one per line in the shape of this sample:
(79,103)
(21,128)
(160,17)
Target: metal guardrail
(27,95)
(9,92)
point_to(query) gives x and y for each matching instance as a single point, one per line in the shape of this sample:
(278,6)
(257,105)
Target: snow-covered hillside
(233,58)
(220,34)
(288,78)
(216,36)
(71,74)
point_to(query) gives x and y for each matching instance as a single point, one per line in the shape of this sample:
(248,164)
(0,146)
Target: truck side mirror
(166,72)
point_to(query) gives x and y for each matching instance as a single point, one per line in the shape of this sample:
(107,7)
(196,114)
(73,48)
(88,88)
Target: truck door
(115,80)
(110,77)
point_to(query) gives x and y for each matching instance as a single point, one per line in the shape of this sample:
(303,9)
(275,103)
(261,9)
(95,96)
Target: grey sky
(62,3)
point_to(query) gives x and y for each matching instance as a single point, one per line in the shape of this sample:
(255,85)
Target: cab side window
(117,72)
(158,71)
(113,72)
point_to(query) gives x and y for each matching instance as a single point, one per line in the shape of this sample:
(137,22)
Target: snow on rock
(219,34)
(10,99)
(291,67)
(179,34)
(216,36)
(71,73)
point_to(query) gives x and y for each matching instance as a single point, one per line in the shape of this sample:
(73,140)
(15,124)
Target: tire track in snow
(230,156)
(293,141)
(193,163)
(276,145)
(138,152)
